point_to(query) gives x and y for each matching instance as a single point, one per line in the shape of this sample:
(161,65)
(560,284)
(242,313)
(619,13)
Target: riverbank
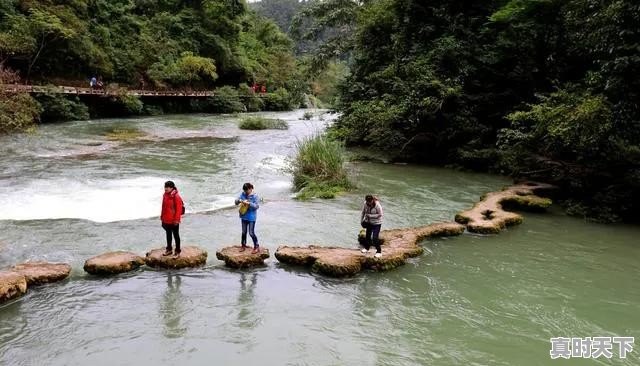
(20,111)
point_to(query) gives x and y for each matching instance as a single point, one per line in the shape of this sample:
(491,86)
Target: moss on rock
(489,215)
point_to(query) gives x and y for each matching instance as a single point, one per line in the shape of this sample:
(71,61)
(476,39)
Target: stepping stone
(190,256)
(12,285)
(397,246)
(39,273)
(489,216)
(234,258)
(113,263)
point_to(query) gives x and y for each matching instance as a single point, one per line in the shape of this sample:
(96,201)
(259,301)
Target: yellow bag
(244,207)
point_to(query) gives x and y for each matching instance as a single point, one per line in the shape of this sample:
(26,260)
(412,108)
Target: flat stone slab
(397,246)
(12,285)
(113,263)
(190,256)
(39,273)
(489,215)
(234,258)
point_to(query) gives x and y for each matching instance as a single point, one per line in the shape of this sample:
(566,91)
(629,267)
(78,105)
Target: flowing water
(68,193)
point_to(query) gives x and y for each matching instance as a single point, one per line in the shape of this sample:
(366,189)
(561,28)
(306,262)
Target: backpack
(183,207)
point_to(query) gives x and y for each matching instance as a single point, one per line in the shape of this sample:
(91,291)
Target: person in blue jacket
(248,202)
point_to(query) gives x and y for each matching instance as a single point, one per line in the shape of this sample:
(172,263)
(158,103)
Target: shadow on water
(247,317)
(171,308)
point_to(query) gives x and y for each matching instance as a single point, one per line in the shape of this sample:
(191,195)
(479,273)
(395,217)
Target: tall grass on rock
(318,168)
(261,123)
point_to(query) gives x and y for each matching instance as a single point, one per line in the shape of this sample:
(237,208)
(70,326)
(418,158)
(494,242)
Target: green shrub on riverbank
(58,107)
(280,100)
(18,112)
(318,168)
(261,123)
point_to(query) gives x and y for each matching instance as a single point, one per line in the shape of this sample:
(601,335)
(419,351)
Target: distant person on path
(93,82)
(263,89)
(248,202)
(371,220)
(172,210)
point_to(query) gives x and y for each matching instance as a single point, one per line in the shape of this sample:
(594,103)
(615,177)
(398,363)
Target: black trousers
(372,233)
(172,230)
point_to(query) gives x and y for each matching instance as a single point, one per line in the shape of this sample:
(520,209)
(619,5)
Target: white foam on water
(94,200)
(279,184)
(273,162)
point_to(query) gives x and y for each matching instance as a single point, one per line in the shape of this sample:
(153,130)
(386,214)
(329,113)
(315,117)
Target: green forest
(150,44)
(535,89)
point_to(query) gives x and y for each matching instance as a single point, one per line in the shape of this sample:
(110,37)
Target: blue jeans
(251,225)
(373,231)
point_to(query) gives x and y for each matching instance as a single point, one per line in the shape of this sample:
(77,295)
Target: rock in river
(113,263)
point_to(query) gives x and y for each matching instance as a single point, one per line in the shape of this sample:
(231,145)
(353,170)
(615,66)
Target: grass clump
(261,123)
(307,115)
(124,134)
(318,168)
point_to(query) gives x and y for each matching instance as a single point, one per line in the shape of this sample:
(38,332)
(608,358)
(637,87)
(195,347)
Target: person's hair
(247,186)
(169,184)
(370,198)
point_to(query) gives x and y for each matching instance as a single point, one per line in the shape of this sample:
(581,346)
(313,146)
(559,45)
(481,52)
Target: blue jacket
(252,212)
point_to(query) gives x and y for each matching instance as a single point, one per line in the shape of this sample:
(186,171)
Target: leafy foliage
(533,88)
(261,123)
(58,107)
(318,168)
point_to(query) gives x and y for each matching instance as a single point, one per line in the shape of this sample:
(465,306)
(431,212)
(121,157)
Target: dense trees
(177,44)
(162,42)
(531,88)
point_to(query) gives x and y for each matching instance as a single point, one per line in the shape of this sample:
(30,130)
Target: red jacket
(171,208)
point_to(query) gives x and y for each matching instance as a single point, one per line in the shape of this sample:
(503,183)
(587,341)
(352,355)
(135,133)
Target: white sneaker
(378,255)
(365,251)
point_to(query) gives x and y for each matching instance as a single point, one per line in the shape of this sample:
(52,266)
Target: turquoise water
(469,300)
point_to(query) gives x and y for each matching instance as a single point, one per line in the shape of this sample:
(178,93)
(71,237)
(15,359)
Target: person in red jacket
(170,216)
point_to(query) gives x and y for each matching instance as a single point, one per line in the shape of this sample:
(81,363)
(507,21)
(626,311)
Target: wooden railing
(38,89)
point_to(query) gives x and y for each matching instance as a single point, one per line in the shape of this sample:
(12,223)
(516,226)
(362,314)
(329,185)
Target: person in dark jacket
(170,216)
(371,219)
(249,205)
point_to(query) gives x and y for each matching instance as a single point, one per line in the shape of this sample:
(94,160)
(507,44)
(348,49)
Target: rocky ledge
(234,258)
(113,263)
(12,285)
(190,256)
(489,216)
(397,246)
(38,273)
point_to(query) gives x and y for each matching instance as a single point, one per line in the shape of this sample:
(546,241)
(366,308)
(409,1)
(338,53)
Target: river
(68,194)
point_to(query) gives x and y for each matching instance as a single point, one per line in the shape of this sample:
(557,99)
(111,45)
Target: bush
(18,112)
(261,123)
(318,168)
(131,103)
(58,107)
(225,100)
(280,100)
(307,115)
(251,101)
